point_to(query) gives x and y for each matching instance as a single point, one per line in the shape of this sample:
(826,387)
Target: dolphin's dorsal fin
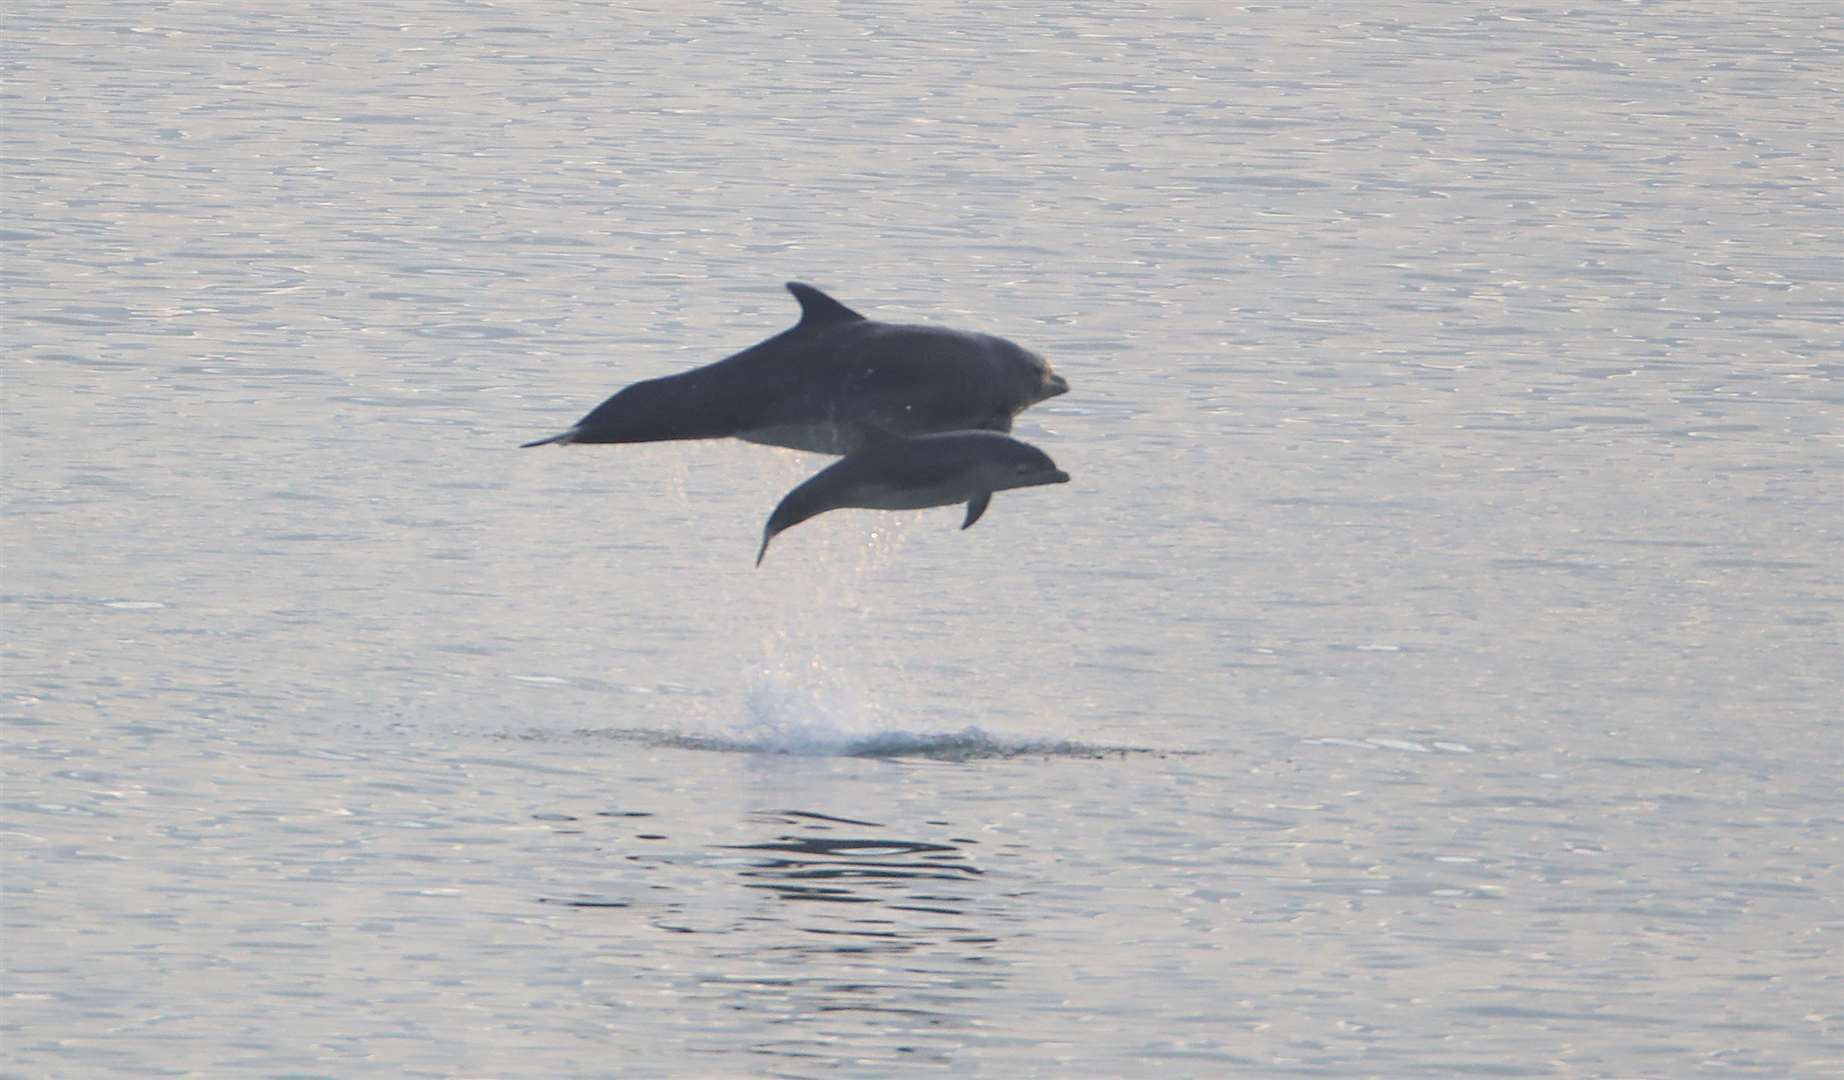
(872,435)
(818,309)
(975,507)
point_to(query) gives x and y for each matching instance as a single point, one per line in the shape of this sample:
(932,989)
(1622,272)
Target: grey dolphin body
(830,384)
(911,474)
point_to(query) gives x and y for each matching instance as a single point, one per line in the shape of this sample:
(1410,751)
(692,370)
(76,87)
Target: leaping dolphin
(831,384)
(912,474)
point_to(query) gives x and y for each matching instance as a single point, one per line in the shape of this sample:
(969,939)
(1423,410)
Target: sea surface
(1434,668)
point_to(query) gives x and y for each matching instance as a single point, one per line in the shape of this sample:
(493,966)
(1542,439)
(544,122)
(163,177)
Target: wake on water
(782,719)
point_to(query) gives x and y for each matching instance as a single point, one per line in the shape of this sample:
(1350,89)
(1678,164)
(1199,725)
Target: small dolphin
(830,384)
(915,473)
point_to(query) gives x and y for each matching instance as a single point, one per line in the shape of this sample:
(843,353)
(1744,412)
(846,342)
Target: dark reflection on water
(870,940)
(856,870)
(895,893)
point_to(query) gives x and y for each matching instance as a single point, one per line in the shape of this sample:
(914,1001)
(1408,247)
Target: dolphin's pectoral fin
(818,309)
(975,507)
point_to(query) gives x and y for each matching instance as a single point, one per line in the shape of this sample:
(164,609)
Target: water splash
(814,660)
(779,717)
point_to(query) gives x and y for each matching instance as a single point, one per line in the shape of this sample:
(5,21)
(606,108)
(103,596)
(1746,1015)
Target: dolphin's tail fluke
(561,437)
(795,507)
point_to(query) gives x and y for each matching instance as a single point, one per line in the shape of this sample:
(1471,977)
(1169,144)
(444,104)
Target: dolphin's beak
(1058,476)
(1053,385)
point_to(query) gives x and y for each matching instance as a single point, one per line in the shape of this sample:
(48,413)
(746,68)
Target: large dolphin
(911,474)
(830,384)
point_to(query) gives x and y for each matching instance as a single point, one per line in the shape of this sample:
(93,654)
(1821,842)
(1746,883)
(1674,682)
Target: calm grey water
(1434,668)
